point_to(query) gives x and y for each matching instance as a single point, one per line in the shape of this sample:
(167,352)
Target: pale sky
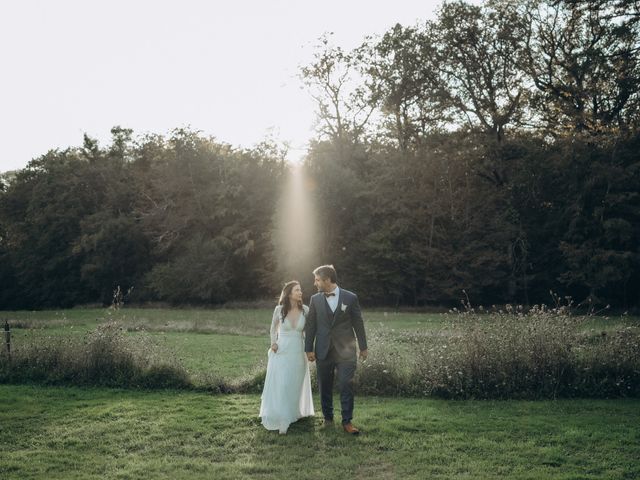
(227,68)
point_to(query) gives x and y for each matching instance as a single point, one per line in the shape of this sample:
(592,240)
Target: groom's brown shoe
(328,422)
(349,428)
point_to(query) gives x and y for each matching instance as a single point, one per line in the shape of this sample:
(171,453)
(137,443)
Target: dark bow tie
(329,295)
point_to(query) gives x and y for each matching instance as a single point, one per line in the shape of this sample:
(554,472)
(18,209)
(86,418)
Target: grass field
(86,433)
(55,432)
(226,343)
(229,343)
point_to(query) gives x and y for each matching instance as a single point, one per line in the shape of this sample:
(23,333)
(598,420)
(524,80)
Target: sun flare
(296,229)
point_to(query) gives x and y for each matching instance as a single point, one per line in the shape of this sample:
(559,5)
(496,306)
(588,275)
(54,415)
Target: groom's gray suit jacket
(327,328)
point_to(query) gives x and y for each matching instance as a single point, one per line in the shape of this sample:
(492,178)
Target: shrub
(608,364)
(387,371)
(542,353)
(518,354)
(103,357)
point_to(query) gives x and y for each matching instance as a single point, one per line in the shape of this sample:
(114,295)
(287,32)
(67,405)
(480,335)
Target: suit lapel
(338,309)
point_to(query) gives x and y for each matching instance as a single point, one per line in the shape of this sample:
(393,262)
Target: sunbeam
(296,235)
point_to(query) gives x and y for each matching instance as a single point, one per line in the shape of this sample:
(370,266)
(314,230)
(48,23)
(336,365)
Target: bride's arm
(273,332)
(305,312)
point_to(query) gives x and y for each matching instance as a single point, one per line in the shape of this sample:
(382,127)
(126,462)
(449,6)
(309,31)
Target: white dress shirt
(333,300)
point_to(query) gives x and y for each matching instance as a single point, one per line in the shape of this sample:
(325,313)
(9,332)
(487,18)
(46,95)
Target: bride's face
(296,295)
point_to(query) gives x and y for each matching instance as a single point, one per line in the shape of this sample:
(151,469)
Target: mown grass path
(76,433)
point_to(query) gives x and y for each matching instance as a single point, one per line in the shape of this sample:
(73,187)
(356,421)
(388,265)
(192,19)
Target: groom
(334,315)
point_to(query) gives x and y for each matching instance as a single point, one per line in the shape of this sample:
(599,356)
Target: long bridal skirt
(286,396)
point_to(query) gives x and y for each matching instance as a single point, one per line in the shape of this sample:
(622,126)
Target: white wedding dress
(286,396)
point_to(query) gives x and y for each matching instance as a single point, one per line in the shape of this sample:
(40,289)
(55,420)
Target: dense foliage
(183,219)
(492,149)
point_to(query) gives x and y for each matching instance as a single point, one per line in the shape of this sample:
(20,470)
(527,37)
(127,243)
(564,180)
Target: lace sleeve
(305,312)
(275,324)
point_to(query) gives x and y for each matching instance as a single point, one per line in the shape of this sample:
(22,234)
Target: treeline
(493,150)
(183,219)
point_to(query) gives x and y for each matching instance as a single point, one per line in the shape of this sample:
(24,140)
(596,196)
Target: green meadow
(225,342)
(228,343)
(88,433)
(49,432)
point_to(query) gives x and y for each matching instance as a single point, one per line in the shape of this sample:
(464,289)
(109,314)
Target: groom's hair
(327,271)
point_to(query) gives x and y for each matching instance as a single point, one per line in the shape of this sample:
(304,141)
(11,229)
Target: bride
(286,396)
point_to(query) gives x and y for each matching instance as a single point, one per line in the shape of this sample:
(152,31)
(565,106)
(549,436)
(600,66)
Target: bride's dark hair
(284,298)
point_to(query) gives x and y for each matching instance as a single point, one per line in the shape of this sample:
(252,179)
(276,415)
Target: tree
(41,212)
(583,65)
(403,83)
(602,239)
(476,50)
(207,209)
(333,80)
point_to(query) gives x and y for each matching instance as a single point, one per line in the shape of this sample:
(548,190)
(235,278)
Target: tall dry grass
(105,356)
(539,353)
